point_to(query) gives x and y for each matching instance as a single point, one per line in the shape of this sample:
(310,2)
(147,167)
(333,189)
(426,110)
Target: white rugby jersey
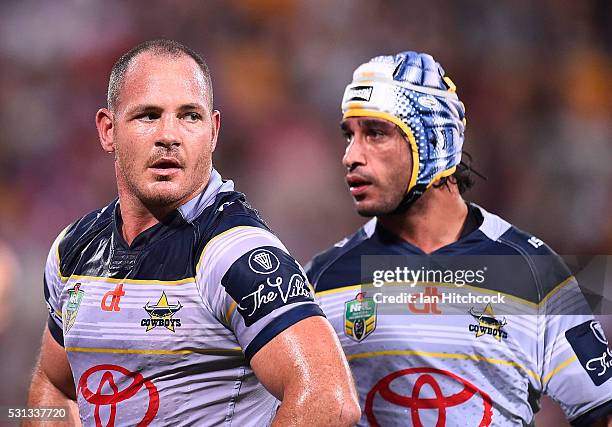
(471,335)
(161,332)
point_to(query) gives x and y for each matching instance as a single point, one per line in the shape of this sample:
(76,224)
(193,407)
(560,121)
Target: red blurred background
(535,78)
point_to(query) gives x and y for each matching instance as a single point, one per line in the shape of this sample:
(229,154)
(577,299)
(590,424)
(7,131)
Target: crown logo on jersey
(263,261)
(488,324)
(359,317)
(161,314)
(75,296)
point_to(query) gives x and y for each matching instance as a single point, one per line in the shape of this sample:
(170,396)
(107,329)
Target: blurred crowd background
(535,78)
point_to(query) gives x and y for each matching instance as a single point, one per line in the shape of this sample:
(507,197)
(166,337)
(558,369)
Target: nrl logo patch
(75,296)
(359,317)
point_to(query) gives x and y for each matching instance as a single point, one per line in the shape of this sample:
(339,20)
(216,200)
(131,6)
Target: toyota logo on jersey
(104,379)
(427,394)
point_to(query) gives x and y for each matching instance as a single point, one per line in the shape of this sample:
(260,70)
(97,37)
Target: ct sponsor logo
(429,300)
(108,394)
(262,261)
(115,296)
(449,391)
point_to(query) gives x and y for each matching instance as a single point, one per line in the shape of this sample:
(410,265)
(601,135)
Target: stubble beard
(152,196)
(389,198)
(387,205)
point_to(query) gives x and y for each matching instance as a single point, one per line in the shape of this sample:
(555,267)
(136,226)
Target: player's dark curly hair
(462,176)
(166,47)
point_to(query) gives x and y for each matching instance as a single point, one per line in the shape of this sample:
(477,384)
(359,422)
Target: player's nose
(168,132)
(354,155)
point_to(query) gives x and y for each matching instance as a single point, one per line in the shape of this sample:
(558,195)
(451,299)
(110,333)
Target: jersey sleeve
(52,290)
(252,284)
(577,362)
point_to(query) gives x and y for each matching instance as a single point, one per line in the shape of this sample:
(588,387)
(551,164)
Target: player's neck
(434,221)
(136,217)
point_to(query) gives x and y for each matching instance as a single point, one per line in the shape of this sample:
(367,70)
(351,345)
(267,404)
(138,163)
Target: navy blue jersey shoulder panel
(594,415)
(167,251)
(517,263)
(79,236)
(548,267)
(340,259)
(230,210)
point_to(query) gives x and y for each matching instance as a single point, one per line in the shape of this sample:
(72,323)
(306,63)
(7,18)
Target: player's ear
(215,121)
(104,123)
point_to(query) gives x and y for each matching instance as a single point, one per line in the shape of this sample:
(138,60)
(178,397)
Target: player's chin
(370,206)
(164,192)
(367,208)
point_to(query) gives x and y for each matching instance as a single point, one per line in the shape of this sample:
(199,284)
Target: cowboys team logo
(488,324)
(161,314)
(75,296)
(359,317)
(262,261)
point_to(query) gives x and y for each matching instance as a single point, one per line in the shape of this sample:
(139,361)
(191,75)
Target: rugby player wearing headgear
(175,304)
(454,363)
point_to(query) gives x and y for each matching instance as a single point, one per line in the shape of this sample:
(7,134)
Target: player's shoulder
(235,246)
(326,260)
(229,212)
(228,228)
(77,235)
(217,209)
(547,266)
(503,234)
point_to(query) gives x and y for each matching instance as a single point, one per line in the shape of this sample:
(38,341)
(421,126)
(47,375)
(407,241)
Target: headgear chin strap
(410,90)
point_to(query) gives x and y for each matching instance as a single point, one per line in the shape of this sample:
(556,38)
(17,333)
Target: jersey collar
(194,207)
(187,212)
(491,227)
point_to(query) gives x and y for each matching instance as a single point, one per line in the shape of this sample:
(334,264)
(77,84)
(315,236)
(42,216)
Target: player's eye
(348,136)
(192,116)
(148,116)
(375,133)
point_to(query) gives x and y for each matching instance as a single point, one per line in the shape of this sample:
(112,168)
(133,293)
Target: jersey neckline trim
(194,207)
(188,212)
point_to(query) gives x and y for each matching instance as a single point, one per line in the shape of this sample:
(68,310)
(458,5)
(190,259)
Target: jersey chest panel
(432,363)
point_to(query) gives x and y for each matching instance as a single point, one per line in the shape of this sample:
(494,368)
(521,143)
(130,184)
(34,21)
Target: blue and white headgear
(411,90)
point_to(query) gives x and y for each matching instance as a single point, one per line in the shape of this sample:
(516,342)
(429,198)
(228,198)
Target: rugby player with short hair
(428,361)
(175,304)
